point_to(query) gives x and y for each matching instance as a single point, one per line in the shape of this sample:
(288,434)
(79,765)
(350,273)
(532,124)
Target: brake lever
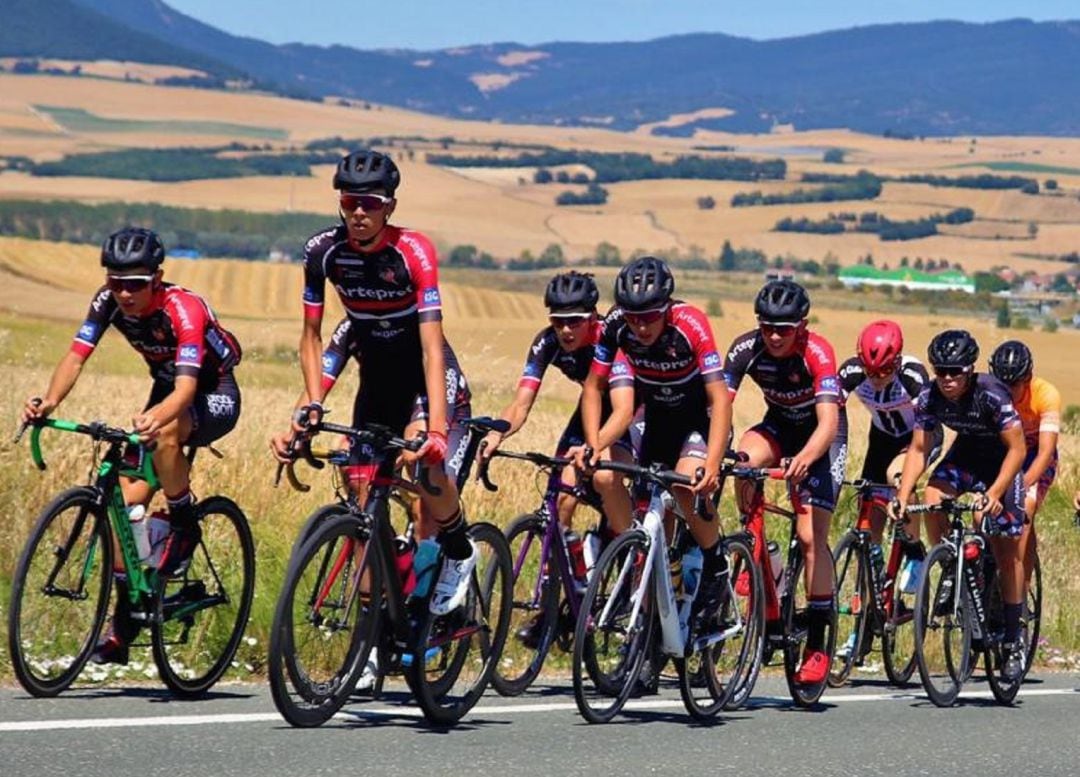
(482,470)
(699,497)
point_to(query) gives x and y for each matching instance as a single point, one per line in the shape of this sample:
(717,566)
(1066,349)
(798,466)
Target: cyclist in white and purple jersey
(387,279)
(805,422)
(988,453)
(670,347)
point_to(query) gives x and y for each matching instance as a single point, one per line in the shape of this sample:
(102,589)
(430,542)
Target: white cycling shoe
(453,584)
(370,674)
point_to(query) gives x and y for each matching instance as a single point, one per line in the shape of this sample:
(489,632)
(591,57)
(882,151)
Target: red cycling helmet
(880,345)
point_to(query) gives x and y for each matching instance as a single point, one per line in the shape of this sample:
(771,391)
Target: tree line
(886,229)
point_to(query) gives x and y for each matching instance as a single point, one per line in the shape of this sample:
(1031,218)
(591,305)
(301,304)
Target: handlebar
(950,504)
(99,432)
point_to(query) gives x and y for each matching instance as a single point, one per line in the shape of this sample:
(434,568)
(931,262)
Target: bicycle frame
(869,499)
(754,521)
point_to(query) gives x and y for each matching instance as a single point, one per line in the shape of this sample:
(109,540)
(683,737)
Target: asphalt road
(867,729)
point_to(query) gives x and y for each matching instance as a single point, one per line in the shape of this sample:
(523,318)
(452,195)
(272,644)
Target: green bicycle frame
(140,581)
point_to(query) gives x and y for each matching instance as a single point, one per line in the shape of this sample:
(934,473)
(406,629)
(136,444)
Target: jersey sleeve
(851,375)
(622,374)
(423,266)
(189,320)
(336,355)
(315,275)
(538,359)
(1049,408)
(607,344)
(97,321)
(924,416)
(737,361)
(695,325)
(821,361)
(913,378)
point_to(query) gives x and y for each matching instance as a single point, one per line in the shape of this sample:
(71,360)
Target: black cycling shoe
(180,545)
(112,648)
(1012,669)
(943,606)
(709,602)
(529,634)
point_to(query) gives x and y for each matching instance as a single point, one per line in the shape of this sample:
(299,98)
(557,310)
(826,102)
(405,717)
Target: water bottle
(158,528)
(776,563)
(691,570)
(675,570)
(425,565)
(575,548)
(591,548)
(137,517)
(404,552)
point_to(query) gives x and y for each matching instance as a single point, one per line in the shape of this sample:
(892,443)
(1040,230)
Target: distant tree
(989,282)
(706,203)
(904,261)
(543,175)
(1032,229)
(1050,185)
(1031,187)
(714,308)
(562,177)
(918,263)
(834,156)
(552,256)
(1062,285)
(726,260)
(1050,324)
(607,255)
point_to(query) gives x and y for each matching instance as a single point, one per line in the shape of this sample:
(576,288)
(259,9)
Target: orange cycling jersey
(1039,409)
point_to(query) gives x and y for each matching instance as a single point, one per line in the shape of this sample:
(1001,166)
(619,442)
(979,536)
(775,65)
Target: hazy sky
(430,24)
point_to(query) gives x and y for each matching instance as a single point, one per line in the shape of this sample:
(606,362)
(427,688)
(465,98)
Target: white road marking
(495,709)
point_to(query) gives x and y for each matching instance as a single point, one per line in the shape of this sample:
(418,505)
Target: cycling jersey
(892,408)
(673,371)
(387,291)
(792,385)
(177,335)
(546,351)
(1039,410)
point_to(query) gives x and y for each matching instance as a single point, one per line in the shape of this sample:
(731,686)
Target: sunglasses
(645,317)
(951,372)
(368,202)
(884,372)
(573,322)
(129,283)
(782,329)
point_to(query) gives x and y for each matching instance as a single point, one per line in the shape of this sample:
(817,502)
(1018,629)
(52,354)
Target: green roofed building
(946,280)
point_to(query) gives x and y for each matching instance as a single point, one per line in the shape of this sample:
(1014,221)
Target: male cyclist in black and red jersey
(670,347)
(887,381)
(988,452)
(805,422)
(387,279)
(194,399)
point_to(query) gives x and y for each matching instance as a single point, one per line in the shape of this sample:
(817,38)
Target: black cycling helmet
(953,348)
(1011,362)
(572,291)
(365,170)
(782,301)
(132,248)
(644,284)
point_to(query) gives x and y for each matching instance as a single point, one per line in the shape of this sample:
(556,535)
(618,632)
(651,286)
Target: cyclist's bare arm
(169,409)
(62,381)
(1013,438)
(311,351)
(1047,445)
(592,408)
(622,415)
(914,465)
(516,413)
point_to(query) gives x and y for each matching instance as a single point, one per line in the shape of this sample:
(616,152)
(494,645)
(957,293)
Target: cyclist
(670,347)
(387,279)
(1038,403)
(194,399)
(805,421)
(887,381)
(988,451)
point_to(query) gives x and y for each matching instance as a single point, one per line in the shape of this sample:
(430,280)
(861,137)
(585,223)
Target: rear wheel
(942,628)
(1034,614)
(854,601)
(60,593)
(898,636)
(795,612)
(994,655)
(611,642)
(202,614)
(534,614)
(325,622)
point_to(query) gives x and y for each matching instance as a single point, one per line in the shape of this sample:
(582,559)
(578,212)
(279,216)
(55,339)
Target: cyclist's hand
(798,467)
(433,451)
(708,481)
(280,448)
(146,426)
(36,407)
(490,444)
(583,456)
(991,505)
(896,510)
(308,417)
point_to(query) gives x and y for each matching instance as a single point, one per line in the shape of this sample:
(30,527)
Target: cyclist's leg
(1033,500)
(1007,552)
(761,444)
(572,436)
(947,479)
(882,451)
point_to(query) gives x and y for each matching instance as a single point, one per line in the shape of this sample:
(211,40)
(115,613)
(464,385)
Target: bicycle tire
(616,684)
(794,611)
(39,625)
(721,664)
(934,624)
(854,600)
(318,517)
(520,665)
(898,636)
(473,635)
(309,689)
(1034,614)
(214,597)
(1004,691)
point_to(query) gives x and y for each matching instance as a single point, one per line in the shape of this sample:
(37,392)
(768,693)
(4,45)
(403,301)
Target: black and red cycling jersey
(793,384)
(546,351)
(387,290)
(672,372)
(892,408)
(177,335)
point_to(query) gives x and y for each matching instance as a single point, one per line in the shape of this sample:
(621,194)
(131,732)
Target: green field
(80,120)
(1023,167)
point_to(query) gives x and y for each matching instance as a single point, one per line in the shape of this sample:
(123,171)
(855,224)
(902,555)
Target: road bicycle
(958,607)
(63,581)
(631,593)
(870,600)
(348,592)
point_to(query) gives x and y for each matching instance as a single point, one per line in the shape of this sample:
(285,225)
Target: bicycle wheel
(202,614)
(943,628)
(325,622)
(1034,614)
(709,678)
(898,637)
(60,592)
(854,601)
(535,609)
(456,653)
(994,656)
(313,522)
(795,612)
(610,644)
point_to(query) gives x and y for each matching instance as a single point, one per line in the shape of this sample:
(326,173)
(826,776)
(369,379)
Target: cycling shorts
(214,412)
(821,486)
(962,469)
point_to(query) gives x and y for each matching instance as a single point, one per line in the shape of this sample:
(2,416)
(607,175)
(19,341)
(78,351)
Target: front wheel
(795,613)
(898,635)
(60,592)
(943,628)
(854,602)
(201,615)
